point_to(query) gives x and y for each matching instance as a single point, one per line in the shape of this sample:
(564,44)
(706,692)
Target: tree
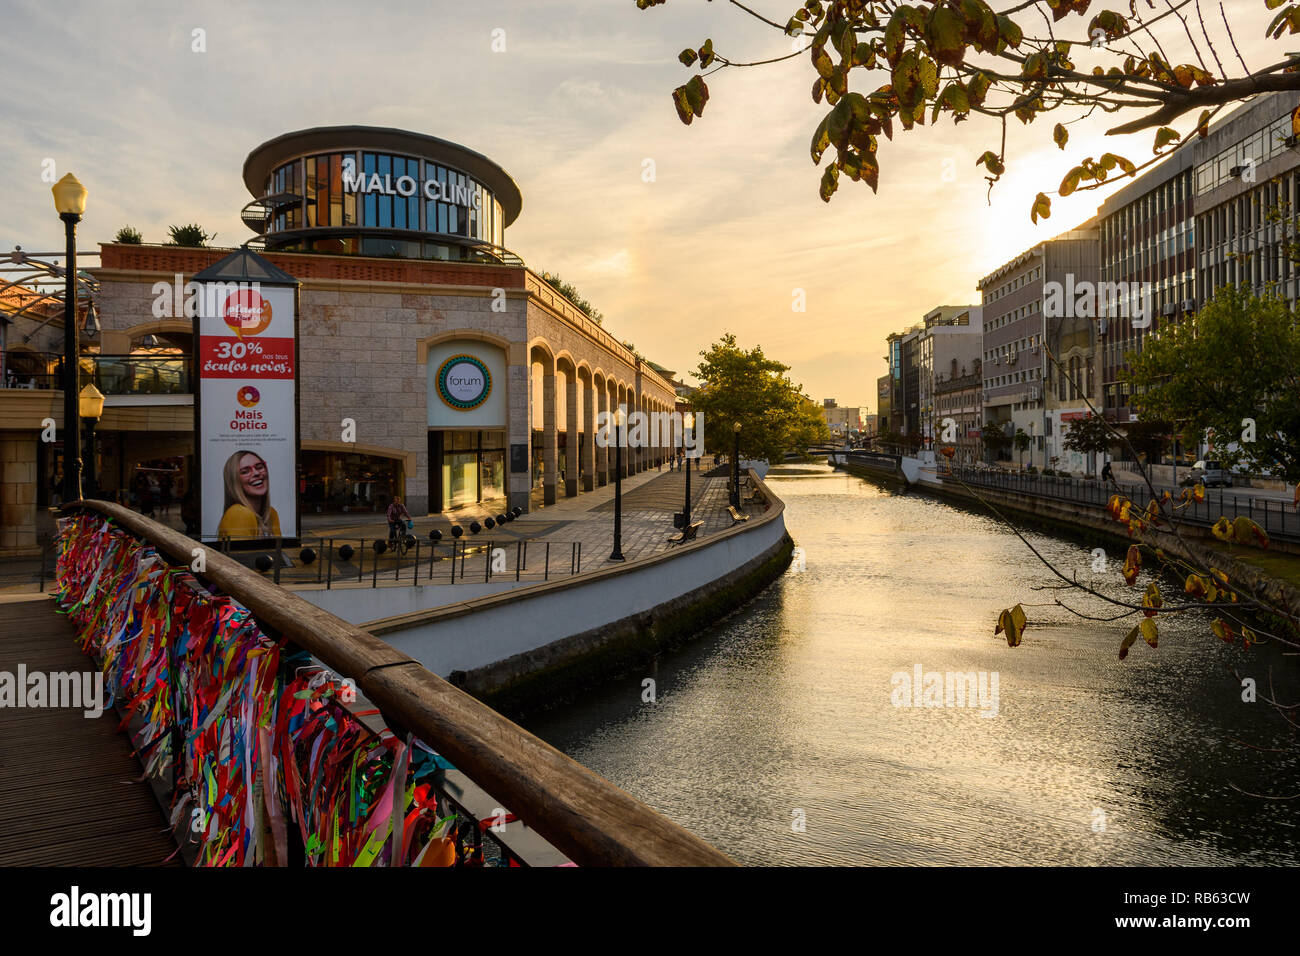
(1088,436)
(128,236)
(1022,442)
(748,387)
(993,438)
(1232,370)
(192,235)
(1148,438)
(961,58)
(574,296)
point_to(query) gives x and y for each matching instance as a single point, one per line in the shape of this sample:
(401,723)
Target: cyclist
(397,518)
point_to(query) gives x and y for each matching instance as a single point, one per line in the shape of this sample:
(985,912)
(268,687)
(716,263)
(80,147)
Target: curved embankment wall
(536,646)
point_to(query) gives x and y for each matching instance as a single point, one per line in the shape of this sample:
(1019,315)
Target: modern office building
(397,241)
(1041,295)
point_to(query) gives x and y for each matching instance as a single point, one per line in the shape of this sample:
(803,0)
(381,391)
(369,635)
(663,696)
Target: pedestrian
(146,497)
(190,512)
(1106,473)
(165,494)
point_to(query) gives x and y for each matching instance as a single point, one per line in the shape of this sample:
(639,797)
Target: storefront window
(336,482)
(471,466)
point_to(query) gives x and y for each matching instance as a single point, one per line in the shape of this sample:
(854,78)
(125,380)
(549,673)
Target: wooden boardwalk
(67,790)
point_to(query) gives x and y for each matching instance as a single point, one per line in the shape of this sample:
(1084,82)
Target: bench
(686,534)
(736,516)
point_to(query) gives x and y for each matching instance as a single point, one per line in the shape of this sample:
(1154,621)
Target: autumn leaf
(990,161)
(1165,136)
(1223,631)
(1060,136)
(1149,631)
(1246,531)
(1012,621)
(1132,564)
(1042,207)
(1222,529)
(1128,641)
(1152,600)
(946,34)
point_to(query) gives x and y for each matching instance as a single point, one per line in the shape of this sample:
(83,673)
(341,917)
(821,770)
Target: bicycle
(398,539)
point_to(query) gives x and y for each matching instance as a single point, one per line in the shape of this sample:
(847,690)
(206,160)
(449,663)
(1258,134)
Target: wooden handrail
(583,815)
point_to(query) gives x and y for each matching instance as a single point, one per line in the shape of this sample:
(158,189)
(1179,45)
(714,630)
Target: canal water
(782,735)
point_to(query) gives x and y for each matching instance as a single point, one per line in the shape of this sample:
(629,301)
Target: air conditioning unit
(1189,305)
(1236,171)
(1292,141)
(1169,309)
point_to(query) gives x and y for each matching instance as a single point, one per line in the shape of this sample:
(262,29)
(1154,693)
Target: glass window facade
(468,467)
(456,205)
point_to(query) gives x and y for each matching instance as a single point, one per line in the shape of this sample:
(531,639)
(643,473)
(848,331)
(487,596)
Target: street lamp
(620,417)
(90,405)
(735,481)
(70,201)
(688,422)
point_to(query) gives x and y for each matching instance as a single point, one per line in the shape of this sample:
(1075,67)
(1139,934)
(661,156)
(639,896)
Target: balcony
(112,374)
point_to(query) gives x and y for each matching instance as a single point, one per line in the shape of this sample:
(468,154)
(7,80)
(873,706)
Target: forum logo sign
(651,430)
(1099,300)
(464,382)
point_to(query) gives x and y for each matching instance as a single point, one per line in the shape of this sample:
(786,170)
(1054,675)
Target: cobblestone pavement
(579,531)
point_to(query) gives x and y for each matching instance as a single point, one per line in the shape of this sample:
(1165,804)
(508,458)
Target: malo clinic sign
(247,410)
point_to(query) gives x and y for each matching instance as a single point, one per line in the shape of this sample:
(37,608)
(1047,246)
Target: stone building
(397,241)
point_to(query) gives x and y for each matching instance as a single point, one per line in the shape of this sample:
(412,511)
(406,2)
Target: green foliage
(1234,362)
(748,387)
(885,68)
(1088,435)
(191,235)
(574,296)
(993,438)
(1149,438)
(128,236)
(1021,440)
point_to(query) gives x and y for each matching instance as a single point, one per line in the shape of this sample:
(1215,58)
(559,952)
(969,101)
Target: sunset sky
(579,100)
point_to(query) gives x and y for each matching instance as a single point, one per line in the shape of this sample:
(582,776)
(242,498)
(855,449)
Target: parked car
(1209,473)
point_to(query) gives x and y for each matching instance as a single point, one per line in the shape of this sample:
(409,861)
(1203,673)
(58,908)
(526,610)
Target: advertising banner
(248,411)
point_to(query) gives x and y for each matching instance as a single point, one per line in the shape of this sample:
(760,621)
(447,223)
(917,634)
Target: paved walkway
(579,530)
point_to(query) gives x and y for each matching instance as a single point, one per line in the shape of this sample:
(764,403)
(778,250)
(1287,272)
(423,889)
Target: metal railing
(578,813)
(1277,517)
(112,374)
(358,562)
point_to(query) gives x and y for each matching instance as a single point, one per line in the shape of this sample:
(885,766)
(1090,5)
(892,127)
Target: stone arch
(422,347)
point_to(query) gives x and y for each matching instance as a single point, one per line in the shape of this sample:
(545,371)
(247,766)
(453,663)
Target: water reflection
(783,712)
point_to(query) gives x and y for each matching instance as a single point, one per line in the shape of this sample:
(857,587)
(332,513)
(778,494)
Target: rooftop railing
(248,683)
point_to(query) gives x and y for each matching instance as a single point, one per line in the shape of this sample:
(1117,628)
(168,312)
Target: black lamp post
(619,418)
(70,201)
(90,407)
(688,422)
(735,481)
